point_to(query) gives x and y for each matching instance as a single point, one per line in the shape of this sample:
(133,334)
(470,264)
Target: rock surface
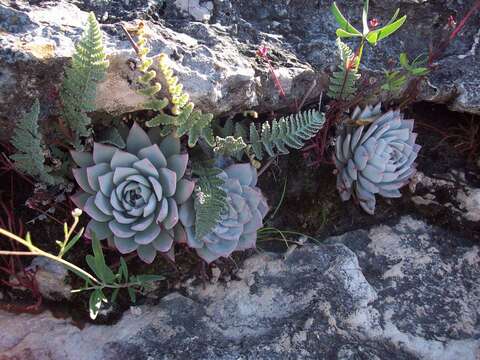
(406,291)
(221,74)
(215,59)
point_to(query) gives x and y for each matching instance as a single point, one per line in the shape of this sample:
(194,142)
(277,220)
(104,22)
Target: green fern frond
(343,83)
(30,156)
(291,131)
(229,145)
(150,87)
(184,120)
(210,199)
(87,68)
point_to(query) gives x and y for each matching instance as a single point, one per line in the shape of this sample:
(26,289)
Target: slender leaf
(345,34)
(344,24)
(95,303)
(123,269)
(391,28)
(132,294)
(147,278)
(73,241)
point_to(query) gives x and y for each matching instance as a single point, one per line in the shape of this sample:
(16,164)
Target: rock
(51,279)
(311,32)
(448,198)
(221,74)
(406,291)
(200,12)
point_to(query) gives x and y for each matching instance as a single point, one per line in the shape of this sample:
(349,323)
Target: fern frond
(343,83)
(291,131)
(87,68)
(210,199)
(229,145)
(30,156)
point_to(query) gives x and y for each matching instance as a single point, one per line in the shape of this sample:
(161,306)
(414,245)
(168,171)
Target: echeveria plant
(374,154)
(238,224)
(132,196)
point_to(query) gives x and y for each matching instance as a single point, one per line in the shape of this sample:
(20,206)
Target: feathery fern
(184,120)
(30,158)
(229,145)
(79,87)
(210,199)
(290,131)
(343,82)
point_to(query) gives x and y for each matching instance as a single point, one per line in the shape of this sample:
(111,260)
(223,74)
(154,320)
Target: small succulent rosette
(133,196)
(374,159)
(243,216)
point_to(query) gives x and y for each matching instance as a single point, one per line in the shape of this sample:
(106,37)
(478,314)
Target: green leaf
(95,303)
(132,294)
(394,17)
(114,296)
(372,37)
(111,136)
(345,34)
(404,61)
(210,198)
(73,241)
(147,278)
(102,270)
(123,269)
(388,30)
(344,24)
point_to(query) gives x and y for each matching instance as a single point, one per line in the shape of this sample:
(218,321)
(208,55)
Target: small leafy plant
(104,278)
(78,92)
(30,156)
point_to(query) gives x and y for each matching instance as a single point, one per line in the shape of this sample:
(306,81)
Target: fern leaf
(343,82)
(29,158)
(229,145)
(291,131)
(79,87)
(210,199)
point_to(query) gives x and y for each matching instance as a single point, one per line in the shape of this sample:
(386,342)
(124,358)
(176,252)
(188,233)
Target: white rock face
(407,291)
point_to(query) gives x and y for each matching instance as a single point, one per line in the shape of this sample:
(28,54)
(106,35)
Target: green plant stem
(359,54)
(68,234)
(103,286)
(36,251)
(17,253)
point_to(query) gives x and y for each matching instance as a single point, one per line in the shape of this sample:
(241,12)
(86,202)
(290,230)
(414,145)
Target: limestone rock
(406,291)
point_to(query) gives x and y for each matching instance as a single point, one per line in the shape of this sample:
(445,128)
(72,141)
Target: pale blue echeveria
(243,216)
(374,159)
(133,196)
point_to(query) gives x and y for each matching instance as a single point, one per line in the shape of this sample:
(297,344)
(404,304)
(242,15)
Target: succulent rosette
(133,196)
(238,224)
(375,158)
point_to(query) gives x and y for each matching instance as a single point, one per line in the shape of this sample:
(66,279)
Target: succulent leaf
(240,217)
(132,196)
(374,159)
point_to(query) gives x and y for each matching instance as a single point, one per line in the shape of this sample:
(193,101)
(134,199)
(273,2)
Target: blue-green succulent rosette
(237,227)
(378,158)
(133,195)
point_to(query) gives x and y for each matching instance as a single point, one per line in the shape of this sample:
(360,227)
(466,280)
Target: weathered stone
(408,291)
(311,33)
(220,74)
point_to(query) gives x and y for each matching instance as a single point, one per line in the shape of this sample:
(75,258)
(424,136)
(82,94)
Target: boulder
(400,291)
(221,74)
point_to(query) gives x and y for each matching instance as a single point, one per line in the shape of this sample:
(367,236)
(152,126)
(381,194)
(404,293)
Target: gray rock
(407,291)
(311,32)
(51,278)
(221,74)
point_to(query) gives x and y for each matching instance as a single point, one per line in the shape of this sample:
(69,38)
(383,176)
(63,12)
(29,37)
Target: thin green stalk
(36,251)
